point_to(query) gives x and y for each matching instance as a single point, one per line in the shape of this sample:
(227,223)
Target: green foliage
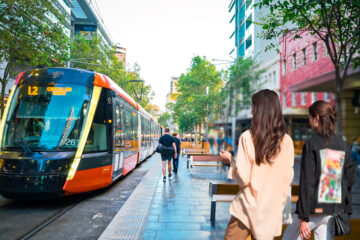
(31,34)
(242,83)
(193,105)
(165,119)
(335,22)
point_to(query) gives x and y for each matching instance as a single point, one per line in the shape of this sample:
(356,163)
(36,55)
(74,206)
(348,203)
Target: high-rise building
(248,43)
(87,21)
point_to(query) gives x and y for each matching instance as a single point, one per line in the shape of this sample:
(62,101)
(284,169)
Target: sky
(162,36)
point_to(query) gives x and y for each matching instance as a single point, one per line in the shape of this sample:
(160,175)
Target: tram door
(119,143)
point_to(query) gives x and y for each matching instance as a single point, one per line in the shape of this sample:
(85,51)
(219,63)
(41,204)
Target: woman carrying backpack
(326,177)
(264,171)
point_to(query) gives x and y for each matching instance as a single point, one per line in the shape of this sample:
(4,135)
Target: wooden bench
(221,192)
(202,160)
(226,192)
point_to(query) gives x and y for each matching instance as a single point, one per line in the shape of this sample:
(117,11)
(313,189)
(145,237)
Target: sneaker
(169,175)
(164,179)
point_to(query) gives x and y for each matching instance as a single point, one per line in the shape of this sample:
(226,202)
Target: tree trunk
(2,96)
(339,94)
(4,81)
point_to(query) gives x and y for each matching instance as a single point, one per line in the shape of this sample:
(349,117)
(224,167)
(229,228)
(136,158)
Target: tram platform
(180,207)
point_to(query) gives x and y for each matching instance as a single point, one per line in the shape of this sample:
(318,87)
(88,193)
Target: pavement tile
(183,226)
(183,235)
(182,219)
(153,218)
(148,235)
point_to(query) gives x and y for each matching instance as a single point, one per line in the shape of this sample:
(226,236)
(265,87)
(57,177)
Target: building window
(326,52)
(294,99)
(304,57)
(313,97)
(284,67)
(248,41)
(249,21)
(274,78)
(294,61)
(303,98)
(284,99)
(326,97)
(315,51)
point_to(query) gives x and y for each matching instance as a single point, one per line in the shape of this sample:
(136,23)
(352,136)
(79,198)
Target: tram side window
(97,138)
(151,132)
(142,119)
(148,132)
(135,125)
(128,128)
(119,126)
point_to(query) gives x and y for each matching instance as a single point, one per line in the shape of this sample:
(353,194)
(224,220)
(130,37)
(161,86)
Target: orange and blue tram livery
(67,131)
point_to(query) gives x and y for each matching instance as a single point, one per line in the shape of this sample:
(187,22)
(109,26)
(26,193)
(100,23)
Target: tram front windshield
(46,117)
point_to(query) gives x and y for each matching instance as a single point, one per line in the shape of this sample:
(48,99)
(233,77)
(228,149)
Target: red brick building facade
(302,59)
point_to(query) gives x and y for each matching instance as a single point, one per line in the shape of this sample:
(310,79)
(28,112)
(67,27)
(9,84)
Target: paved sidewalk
(180,207)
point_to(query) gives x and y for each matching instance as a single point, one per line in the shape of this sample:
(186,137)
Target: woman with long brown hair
(263,169)
(326,177)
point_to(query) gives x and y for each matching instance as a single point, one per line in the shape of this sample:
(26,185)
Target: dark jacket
(321,165)
(178,144)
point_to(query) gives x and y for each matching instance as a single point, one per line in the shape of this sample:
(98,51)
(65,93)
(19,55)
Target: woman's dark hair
(268,125)
(327,117)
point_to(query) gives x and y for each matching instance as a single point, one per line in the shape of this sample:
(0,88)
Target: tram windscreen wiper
(24,145)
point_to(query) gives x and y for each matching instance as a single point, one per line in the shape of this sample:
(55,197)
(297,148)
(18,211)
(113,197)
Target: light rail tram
(66,131)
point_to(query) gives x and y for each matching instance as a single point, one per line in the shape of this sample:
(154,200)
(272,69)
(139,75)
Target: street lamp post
(207,116)
(138,97)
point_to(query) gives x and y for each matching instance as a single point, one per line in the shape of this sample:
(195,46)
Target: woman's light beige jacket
(263,188)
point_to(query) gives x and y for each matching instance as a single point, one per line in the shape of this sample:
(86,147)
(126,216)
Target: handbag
(341,223)
(164,150)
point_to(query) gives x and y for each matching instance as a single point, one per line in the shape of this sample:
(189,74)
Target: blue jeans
(176,163)
(355,156)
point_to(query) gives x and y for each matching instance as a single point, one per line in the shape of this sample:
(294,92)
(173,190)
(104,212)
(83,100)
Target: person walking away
(167,141)
(263,169)
(220,142)
(178,149)
(211,145)
(326,177)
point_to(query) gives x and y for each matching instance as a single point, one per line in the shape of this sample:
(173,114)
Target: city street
(97,97)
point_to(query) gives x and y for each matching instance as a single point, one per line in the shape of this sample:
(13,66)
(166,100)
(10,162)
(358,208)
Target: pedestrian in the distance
(220,142)
(167,141)
(326,177)
(211,144)
(263,168)
(178,149)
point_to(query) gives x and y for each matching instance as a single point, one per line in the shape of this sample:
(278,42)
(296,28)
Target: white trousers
(320,223)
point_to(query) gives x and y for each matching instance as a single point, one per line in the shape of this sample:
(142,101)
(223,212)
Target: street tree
(335,22)
(31,34)
(242,82)
(165,119)
(200,91)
